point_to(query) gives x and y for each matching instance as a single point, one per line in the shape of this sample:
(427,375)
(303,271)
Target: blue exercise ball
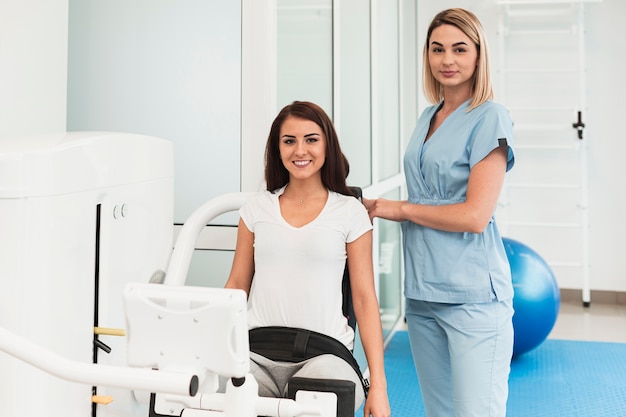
(536,296)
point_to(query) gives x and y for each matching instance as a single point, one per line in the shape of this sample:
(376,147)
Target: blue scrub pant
(462,354)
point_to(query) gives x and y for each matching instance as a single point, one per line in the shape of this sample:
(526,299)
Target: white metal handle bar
(186,241)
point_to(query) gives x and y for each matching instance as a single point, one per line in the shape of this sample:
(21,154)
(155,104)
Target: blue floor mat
(559,378)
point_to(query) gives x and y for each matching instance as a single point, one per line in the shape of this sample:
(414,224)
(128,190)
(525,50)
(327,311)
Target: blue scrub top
(454,267)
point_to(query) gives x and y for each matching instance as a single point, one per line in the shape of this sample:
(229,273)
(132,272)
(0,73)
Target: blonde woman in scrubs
(458,285)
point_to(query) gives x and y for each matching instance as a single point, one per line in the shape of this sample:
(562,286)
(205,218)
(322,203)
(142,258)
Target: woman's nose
(448,59)
(300,148)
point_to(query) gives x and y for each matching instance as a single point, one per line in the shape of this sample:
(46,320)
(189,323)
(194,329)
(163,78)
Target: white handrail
(185,243)
(179,383)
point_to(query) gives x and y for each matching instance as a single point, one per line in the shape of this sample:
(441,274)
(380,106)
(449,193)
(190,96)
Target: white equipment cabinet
(81,215)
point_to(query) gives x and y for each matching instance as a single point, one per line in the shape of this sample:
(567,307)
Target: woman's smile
(302,148)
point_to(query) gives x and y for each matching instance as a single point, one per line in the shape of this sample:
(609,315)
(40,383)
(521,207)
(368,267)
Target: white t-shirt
(298,270)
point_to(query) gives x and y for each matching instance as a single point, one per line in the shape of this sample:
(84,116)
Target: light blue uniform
(458,285)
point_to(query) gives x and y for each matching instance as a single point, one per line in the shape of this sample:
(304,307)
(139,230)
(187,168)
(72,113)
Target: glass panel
(305,52)
(390,269)
(305,70)
(386,101)
(210,268)
(390,296)
(410,53)
(353,118)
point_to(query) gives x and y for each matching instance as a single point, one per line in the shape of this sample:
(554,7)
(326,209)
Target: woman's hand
(377,403)
(385,209)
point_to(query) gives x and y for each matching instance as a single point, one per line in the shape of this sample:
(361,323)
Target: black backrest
(348,308)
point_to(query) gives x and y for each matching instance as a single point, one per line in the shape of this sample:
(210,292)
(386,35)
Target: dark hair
(335,169)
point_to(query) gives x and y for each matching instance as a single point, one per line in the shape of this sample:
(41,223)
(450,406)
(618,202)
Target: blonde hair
(468,23)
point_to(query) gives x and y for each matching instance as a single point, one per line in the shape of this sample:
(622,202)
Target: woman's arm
(242,270)
(472,215)
(367,315)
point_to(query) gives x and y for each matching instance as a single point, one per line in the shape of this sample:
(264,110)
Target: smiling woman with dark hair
(335,169)
(293,243)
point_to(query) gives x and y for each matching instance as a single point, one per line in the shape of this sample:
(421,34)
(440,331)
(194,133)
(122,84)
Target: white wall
(606,87)
(33,66)
(170,69)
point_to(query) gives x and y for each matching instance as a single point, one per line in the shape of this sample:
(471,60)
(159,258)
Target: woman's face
(453,58)
(302,147)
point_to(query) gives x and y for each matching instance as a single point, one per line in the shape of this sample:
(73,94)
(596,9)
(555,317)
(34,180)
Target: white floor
(601,322)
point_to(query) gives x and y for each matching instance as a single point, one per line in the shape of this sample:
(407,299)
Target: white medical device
(180,325)
(204,331)
(82,215)
(177,327)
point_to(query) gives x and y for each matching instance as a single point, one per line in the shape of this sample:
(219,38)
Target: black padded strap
(290,344)
(300,344)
